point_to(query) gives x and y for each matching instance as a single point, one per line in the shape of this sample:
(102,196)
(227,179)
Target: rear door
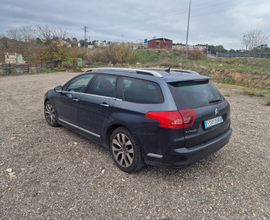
(211,110)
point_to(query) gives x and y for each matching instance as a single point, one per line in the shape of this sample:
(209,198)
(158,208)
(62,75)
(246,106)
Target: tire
(50,114)
(125,151)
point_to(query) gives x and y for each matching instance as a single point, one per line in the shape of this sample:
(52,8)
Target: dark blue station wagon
(162,117)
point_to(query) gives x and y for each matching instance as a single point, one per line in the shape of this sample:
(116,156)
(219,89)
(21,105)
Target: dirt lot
(57,174)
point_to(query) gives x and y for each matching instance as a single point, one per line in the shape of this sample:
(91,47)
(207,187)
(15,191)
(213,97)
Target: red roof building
(160,44)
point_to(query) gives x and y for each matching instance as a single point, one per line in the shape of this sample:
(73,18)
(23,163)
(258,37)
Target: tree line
(45,43)
(253,40)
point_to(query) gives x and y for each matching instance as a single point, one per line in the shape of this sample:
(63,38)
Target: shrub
(115,53)
(194,55)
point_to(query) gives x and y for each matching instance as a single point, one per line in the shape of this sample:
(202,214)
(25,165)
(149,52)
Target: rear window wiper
(215,100)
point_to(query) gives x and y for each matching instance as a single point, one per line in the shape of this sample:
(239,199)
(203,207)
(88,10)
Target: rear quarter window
(194,94)
(141,91)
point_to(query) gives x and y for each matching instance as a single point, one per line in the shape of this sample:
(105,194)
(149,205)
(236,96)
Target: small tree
(253,39)
(53,48)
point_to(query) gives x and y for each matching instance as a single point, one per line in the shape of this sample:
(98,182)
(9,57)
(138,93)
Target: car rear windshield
(194,94)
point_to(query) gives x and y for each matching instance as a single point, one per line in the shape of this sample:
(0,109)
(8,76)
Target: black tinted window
(141,91)
(194,94)
(104,85)
(79,84)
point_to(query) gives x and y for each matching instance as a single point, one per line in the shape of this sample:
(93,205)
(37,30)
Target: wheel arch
(111,129)
(46,99)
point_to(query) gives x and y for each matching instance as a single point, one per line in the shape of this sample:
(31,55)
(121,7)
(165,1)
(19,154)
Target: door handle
(75,99)
(104,105)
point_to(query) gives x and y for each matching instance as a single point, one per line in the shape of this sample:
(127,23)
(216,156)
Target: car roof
(169,75)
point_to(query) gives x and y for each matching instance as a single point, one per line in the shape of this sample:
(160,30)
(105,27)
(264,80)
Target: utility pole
(188,29)
(85,39)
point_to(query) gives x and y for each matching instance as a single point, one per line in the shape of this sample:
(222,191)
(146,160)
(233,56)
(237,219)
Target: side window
(79,84)
(141,91)
(104,85)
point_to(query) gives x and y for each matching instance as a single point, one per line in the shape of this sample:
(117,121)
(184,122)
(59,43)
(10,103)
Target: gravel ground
(53,173)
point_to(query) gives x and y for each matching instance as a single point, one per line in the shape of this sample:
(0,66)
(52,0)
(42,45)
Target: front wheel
(125,151)
(50,114)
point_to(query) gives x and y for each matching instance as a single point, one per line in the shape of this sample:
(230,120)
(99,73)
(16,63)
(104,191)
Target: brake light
(188,117)
(173,119)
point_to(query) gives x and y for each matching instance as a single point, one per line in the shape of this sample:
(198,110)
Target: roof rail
(142,71)
(185,71)
(176,70)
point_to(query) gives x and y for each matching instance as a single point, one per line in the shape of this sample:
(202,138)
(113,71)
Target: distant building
(160,44)
(262,47)
(14,58)
(64,43)
(101,44)
(135,46)
(200,49)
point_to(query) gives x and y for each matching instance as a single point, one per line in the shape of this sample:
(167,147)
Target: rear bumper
(184,156)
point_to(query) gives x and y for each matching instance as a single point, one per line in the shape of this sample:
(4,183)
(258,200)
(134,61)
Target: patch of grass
(268,102)
(252,93)
(227,95)
(3,75)
(33,73)
(52,71)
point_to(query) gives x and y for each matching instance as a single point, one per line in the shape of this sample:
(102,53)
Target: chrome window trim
(75,126)
(107,97)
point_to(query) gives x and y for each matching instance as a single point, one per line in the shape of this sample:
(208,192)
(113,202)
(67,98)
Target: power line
(184,16)
(194,8)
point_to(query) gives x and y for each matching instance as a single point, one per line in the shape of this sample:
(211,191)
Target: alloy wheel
(123,150)
(50,113)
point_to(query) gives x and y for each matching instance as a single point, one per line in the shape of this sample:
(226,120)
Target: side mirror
(58,89)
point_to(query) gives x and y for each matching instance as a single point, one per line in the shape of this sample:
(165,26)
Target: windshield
(194,94)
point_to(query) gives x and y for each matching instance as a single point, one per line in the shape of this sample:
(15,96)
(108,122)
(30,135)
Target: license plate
(212,122)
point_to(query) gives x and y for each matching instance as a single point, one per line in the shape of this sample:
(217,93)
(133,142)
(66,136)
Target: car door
(68,102)
(96,105)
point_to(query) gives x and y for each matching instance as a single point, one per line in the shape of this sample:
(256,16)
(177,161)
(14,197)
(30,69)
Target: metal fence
(245,54)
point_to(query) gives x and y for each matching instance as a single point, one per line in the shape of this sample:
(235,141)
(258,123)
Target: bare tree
(27,32)
(54,47)
(49,34)
(253,39)
(24,33)
(15,34)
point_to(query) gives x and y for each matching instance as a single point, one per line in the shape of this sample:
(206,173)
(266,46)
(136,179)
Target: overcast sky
(214,22)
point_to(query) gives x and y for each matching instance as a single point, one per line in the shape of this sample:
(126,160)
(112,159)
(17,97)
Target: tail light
(173,119)
(229,109)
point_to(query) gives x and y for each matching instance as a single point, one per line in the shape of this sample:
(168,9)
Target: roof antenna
(168,70)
